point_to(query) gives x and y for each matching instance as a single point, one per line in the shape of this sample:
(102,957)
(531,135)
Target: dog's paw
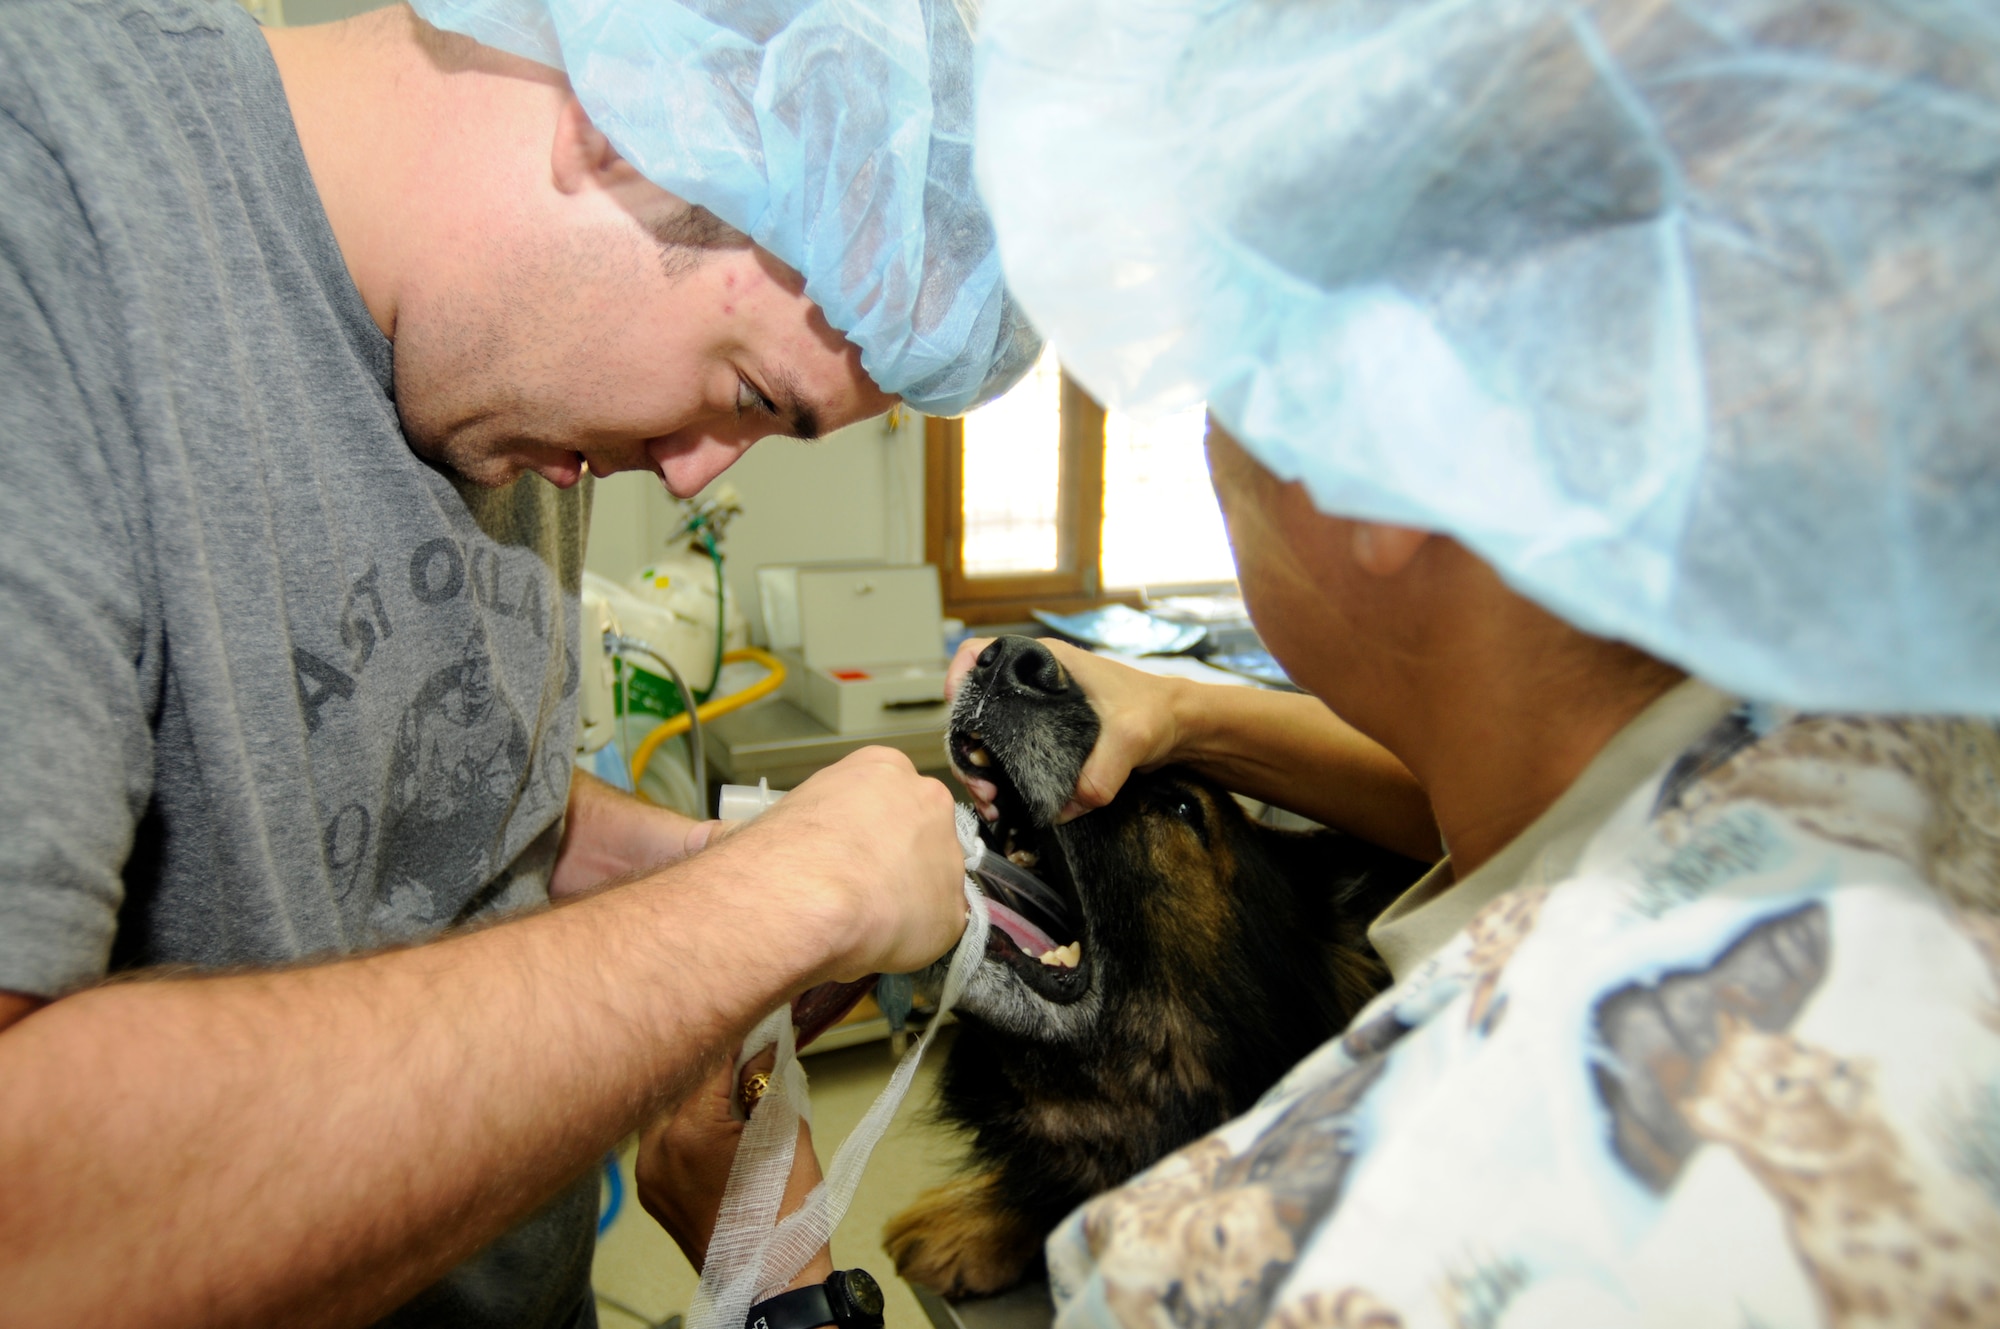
(961,1241)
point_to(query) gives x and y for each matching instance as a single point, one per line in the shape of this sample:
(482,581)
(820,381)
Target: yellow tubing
(642,757)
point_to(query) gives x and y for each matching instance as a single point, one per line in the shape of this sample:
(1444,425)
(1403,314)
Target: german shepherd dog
(1189,957)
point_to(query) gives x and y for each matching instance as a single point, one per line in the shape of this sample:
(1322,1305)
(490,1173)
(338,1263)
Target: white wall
(857,494)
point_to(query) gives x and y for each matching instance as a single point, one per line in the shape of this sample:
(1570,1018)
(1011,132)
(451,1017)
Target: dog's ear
(1341,881)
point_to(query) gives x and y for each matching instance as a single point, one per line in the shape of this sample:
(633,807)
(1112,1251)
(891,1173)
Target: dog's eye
(1188,808)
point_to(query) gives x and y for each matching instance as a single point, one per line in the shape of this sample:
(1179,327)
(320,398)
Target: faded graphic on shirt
(460,759)
(454,683)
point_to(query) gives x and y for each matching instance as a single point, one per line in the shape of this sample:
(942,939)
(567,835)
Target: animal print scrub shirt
(1741,1068)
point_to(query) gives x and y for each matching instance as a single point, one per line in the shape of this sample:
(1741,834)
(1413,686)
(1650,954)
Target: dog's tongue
(817,1010)
(1025,934)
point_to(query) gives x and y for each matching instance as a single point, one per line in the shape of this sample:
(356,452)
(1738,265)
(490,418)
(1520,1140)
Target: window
(1161,523)
(1044,500)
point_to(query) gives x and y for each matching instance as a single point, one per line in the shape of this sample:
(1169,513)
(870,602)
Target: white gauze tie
(752,1255)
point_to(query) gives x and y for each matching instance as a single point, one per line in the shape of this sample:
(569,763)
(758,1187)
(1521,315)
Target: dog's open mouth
(1037,933)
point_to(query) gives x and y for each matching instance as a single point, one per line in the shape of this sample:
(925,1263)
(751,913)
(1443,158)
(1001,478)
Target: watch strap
(801,1308)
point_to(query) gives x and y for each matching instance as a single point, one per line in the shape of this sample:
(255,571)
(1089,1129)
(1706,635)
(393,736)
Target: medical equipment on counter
(837,134)
(774,678)
(679,606)
(1233,642)
(620,648)
(1116,627)
(780,742)
(689,611)
(666,637)
(864,642)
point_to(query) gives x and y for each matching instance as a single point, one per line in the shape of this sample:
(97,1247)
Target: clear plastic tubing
(995,870)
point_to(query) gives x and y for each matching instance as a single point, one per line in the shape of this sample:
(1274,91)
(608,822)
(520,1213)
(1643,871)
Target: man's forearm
(314,1146)
(1289,749)
(609,834)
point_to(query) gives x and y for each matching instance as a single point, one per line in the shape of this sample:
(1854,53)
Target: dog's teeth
(1022,858)
(1064,957)
(980,757)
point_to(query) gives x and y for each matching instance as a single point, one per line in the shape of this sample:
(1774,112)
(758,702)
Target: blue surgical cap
(837,134)
(1683,314)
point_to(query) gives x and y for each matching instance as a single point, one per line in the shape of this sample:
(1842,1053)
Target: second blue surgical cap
(1683,314)
(837,134)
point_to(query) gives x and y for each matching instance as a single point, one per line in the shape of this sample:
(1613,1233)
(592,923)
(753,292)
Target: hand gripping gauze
(753,1255)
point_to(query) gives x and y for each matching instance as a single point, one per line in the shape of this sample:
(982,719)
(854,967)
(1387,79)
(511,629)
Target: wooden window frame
(1007,598)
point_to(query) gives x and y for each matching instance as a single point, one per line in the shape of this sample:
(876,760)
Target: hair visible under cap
(687,232)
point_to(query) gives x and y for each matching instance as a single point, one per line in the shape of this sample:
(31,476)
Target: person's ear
(1382,550)
(582,156)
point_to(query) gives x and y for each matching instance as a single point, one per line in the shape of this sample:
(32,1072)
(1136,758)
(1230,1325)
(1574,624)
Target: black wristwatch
(850,1299)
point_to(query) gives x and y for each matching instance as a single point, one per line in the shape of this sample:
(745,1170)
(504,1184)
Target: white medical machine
(863,643)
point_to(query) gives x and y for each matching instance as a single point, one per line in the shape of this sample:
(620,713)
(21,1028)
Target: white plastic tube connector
(740,802)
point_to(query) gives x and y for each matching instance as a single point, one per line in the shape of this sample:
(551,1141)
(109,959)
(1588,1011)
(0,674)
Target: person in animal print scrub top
(1603,400)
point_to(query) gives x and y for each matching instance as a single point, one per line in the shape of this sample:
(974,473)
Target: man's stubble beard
(458,398)
(460,369)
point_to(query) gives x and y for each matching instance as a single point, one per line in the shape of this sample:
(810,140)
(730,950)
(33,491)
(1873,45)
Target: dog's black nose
(1021,666)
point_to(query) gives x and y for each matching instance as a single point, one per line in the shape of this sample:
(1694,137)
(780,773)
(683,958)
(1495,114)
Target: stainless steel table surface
(781,743)
(1026,1307)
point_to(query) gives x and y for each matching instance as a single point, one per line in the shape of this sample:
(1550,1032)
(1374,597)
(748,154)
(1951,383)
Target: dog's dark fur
(1216,953)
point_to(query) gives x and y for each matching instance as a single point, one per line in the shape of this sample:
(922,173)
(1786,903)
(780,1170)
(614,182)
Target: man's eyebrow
(793,408)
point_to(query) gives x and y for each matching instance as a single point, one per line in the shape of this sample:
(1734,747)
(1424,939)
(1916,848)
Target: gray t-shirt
(271,687)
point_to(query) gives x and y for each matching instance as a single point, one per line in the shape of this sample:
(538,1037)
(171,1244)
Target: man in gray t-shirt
(288,671)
